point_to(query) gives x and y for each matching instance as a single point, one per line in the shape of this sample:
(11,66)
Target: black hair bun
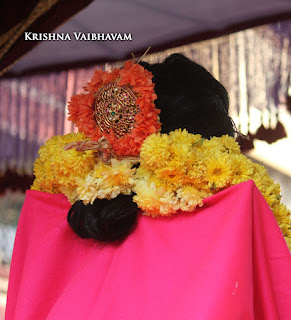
(190,97)
(104,220)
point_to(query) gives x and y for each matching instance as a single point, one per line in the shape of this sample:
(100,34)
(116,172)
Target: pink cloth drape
(227,260)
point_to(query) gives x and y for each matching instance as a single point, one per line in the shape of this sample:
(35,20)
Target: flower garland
(177,172)
(132,77)
(80,175)
(106,181)
(56,168)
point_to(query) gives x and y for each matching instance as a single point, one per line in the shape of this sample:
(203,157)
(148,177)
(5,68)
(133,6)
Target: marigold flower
(82,110)
(56,167)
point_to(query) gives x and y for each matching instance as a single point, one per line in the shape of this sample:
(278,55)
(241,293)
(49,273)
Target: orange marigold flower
(146,121)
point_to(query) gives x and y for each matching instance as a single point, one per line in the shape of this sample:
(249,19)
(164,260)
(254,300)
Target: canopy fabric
(158,24)
(227,260)
(17,17)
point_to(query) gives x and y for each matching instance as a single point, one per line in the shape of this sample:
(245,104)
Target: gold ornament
(115,108)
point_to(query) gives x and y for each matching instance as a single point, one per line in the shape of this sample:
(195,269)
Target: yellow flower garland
(177,171)
(106,181)
(56,168)
(79,175)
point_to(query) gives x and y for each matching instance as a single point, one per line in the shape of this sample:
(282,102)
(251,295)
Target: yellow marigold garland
(56,168)
(177,171)
(106,181)
(79,175)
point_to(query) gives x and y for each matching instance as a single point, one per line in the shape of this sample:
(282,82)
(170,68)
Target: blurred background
(245,45)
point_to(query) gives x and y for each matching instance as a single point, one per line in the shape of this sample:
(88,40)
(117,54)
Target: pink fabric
(228,260)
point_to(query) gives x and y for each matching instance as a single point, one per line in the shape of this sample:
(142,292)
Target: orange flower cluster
(139,80)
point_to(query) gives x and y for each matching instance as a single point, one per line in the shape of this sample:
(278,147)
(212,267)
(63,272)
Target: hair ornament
(119,106)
